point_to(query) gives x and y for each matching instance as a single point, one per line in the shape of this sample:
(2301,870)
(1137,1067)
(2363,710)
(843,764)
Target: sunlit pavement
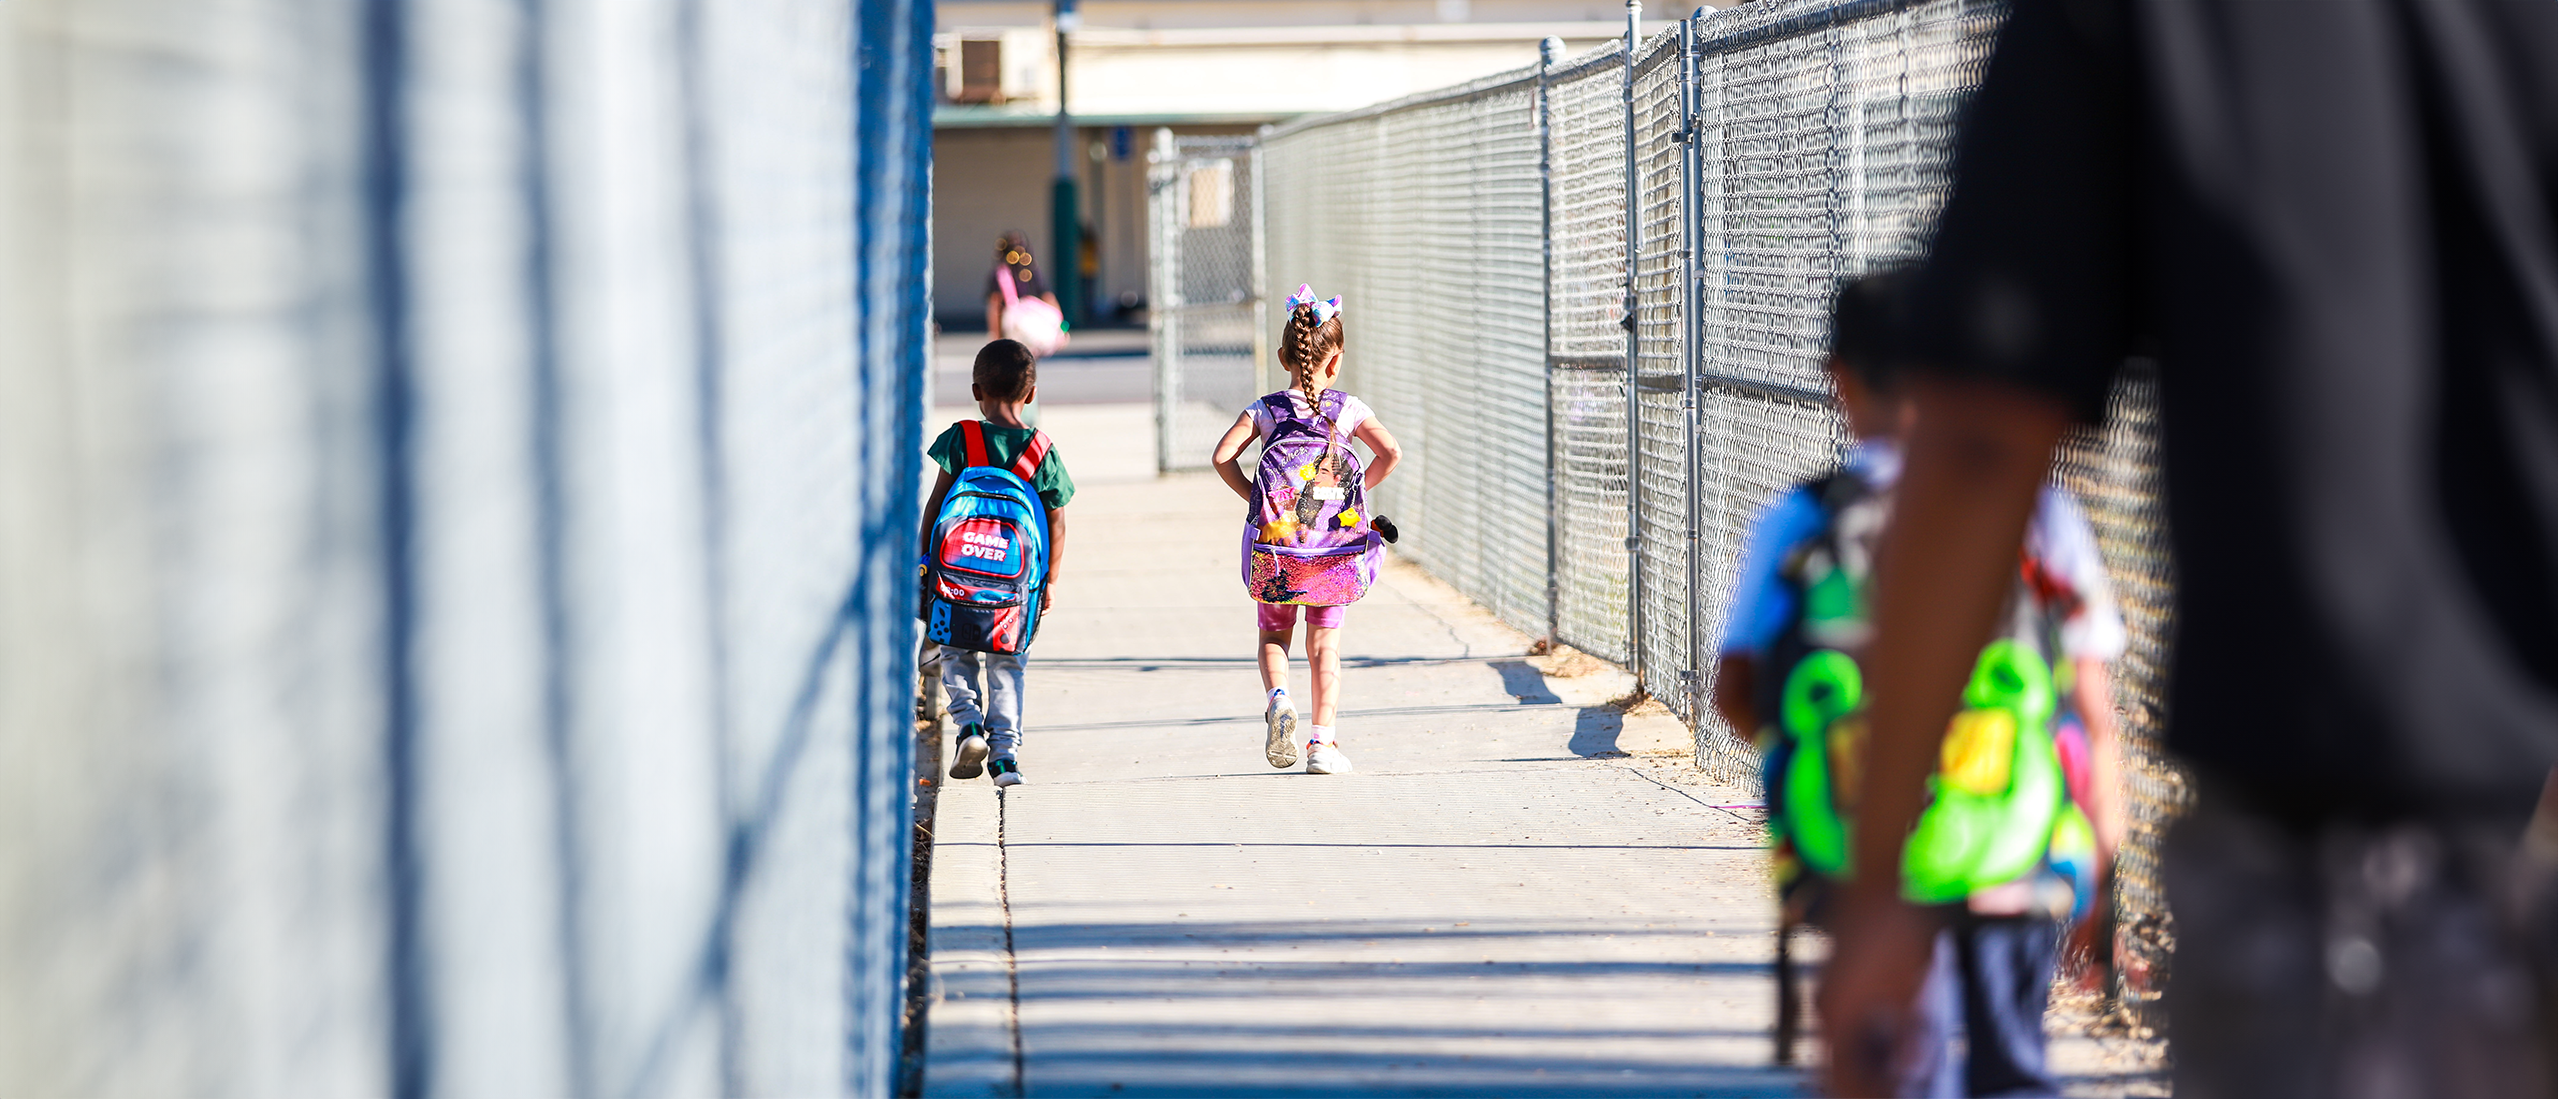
(1099,366)
(1520,891)
(1490,904)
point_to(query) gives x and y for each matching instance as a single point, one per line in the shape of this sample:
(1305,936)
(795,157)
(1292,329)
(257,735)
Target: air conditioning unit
(979,76)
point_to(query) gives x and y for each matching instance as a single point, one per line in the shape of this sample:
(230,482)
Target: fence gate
(1204,293)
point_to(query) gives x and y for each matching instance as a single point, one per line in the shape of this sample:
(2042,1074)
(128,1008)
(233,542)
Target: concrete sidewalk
(1519,892)
(1100,366)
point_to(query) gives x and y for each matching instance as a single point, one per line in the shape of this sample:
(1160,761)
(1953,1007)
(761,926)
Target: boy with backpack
(2025,813)
(994,529)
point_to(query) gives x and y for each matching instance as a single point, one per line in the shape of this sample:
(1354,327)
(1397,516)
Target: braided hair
(1303,348)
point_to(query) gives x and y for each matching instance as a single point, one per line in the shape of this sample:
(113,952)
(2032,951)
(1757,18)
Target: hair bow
(1324,310)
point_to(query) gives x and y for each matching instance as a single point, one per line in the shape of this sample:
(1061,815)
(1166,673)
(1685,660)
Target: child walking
(2029,765)
(1308,540)
(991,562)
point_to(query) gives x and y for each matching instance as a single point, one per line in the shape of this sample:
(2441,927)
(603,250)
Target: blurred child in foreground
(1800,598)
(2333,228)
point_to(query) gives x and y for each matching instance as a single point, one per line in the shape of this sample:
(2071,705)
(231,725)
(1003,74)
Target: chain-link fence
(1585,135)
(1665,647)
(1205,293)
(458,475)
(1704,193)
(1427,217)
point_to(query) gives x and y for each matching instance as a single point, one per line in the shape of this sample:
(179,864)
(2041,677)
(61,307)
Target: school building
(1197,67)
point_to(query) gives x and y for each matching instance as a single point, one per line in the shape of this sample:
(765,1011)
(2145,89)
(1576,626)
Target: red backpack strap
(972,437)
(1031,456)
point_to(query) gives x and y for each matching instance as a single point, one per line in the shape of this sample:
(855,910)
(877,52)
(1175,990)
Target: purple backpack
(1308,539)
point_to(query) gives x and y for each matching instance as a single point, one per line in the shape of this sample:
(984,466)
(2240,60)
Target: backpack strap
(1835,491)
(1028,464)
(1821,488)
(1284,420)
(972,436)
(1283,413)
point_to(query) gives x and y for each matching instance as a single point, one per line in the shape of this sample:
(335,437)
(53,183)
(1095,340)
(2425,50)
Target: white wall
(993,179)
(984,182)
(1166,14)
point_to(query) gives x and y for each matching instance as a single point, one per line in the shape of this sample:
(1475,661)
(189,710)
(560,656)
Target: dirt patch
(2098,1050)
(1566,662)
(1640,704)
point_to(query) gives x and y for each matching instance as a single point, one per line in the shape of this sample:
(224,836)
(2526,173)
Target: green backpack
(1999,803)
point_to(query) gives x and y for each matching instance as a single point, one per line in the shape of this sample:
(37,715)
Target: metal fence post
(1633,360)
(1163,298)
(1691,325)
(1258,278)
(1547,52)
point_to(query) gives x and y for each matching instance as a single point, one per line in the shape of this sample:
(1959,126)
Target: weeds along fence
(1591,298)
(457,510)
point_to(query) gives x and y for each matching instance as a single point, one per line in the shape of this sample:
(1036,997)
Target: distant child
(1308,539)
(2008,847)
(991,562)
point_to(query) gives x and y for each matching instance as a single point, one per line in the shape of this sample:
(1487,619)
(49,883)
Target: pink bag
(1038,325)
(1321,577)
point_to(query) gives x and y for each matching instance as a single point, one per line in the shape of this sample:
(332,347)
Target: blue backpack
(989,552)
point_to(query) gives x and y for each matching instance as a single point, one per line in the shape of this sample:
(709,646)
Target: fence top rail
(1662,48)
(1717,30)
(1742,26)
(1472,89)
(1585,64)
(1186,147)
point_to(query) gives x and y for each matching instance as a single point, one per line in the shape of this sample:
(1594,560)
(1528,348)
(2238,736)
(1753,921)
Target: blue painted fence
(458,468)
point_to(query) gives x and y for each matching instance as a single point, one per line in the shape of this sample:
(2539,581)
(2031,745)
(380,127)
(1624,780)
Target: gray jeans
(2363,961)
(985,689)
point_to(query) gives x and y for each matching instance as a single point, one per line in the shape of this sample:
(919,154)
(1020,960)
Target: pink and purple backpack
(1309,538)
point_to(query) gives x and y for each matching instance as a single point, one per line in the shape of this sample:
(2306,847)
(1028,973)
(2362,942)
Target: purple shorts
(1283,616)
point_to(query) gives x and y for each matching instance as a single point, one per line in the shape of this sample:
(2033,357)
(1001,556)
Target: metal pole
(1259,276)
(1633,359)
(1163,284)
(1691,332)
(1065,212)
(1548,52)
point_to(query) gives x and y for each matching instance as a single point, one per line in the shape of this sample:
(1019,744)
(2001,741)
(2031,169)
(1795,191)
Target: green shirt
(1003,444)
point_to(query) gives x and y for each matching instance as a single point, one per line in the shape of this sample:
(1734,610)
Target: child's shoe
(1281,748)
(972,752)
(1007,773)
(1326,758)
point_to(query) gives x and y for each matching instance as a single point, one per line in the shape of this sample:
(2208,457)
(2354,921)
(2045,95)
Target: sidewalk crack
(1638,773)
(1012,967)
(1465,649)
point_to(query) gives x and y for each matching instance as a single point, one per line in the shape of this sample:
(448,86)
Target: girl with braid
(1306,541)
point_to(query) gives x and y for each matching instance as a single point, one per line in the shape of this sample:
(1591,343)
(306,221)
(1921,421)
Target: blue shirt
(2058,536)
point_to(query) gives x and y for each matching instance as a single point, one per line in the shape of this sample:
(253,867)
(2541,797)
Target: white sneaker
(1007,773)
(1281,748)
(1326,759)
